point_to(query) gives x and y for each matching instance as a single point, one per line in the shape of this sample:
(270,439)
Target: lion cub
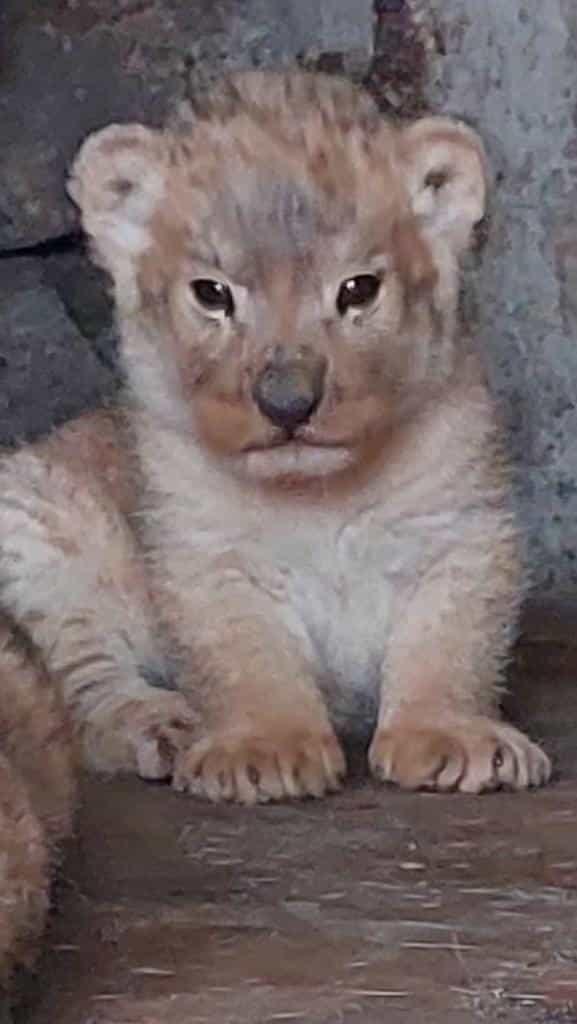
(300,517)
(37,797)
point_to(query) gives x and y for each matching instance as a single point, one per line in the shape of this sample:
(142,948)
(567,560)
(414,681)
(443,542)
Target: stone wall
(507,66)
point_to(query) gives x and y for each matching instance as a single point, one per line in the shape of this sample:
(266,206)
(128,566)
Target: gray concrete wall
(508,66)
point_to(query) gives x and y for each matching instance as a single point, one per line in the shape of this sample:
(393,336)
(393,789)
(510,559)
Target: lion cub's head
(285,266)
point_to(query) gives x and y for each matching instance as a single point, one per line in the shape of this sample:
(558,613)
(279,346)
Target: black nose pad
(288,393)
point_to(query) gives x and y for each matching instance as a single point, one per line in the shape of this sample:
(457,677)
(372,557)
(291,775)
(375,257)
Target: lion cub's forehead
(261,217)
(254,217)
(285,179)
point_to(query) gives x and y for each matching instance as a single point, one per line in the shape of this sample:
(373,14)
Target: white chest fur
(335,574)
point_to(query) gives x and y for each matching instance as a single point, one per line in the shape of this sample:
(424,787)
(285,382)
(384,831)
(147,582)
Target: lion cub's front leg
(267,734)
(439,725)
(73,579)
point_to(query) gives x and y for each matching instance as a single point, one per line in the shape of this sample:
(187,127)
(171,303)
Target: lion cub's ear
(117,180)
(447,178)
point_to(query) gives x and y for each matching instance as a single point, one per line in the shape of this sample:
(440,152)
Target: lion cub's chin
(294,460)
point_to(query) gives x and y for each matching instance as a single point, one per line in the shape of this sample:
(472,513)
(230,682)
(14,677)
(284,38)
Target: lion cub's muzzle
(290,387)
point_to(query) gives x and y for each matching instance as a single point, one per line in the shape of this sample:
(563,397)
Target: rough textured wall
(68,67)
(507,66)
(510,69)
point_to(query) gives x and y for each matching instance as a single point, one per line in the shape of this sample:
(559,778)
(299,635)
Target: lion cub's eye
(214,296)
(357,292)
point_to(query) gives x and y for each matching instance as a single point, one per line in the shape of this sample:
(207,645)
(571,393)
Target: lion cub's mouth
(296,442)
(295,458)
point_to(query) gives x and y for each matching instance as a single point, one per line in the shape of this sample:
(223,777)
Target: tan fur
(291,586)
(36,798)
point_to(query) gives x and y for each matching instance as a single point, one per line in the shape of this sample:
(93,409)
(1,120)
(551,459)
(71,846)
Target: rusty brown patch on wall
(397,75)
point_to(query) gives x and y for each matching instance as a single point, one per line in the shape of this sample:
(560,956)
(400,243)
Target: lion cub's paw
(142,735)
(473,755)
(254,768)
(160,733)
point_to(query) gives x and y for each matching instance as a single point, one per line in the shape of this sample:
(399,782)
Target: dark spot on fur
(121,187)
(436,179)
(161,677)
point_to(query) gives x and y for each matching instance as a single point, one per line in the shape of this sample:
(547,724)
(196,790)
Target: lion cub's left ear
(447,178)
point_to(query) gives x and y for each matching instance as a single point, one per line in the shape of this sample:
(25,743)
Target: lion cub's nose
(288,390)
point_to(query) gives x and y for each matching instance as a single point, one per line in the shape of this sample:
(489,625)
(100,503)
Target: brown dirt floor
(370,906)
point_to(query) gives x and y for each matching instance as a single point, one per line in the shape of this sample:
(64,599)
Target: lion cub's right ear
(117,181)
(446,174)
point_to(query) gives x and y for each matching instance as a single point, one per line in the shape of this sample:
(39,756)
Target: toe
(291,784)
(484,759)
(264,774)
(508,766)
(521,763)
(216,778)
(311,775)
(450,772)
(433,758)
(538,766)
(380,756)
(334,764)
(153,762)
(245,782)
(188,769)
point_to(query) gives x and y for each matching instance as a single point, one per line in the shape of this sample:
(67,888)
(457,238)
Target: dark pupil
(213,295)
(357,291)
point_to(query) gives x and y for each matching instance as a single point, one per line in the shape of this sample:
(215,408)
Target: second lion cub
(299,516)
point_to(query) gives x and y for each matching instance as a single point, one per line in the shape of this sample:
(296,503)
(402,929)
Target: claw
(472,755)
